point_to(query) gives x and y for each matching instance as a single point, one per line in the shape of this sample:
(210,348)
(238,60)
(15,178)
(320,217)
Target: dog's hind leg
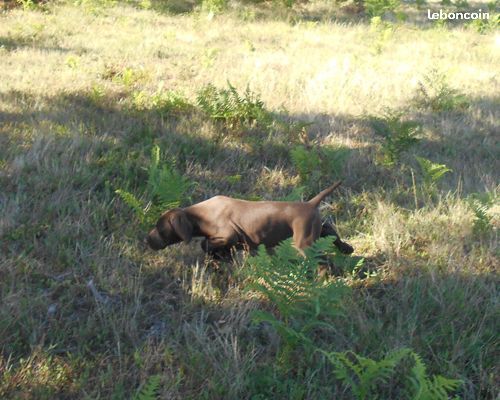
(327,229)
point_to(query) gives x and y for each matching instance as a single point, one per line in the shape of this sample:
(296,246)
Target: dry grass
(77,121)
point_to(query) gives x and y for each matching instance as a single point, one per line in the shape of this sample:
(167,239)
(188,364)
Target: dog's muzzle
(155,241)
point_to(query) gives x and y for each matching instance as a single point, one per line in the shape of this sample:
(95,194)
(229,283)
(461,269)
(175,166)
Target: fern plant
(363,375)
(303,303)
(150,389)
(286,278)
(398,136)
(164,102)
(424,387)
(315,162)
(436,94)
(432,172)
(306,163)
(480,204)
(166,188)
(231,108)
(377,8)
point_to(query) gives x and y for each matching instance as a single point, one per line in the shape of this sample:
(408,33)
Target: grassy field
(87,92)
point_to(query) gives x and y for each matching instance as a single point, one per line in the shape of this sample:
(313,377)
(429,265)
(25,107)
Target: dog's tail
(317,199)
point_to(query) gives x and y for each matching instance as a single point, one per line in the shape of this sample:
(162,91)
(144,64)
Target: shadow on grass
(15,43)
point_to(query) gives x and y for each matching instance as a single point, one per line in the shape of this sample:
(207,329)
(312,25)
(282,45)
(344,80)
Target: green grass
(94,96)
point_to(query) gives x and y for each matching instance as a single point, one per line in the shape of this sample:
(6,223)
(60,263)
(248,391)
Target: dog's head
(172,227)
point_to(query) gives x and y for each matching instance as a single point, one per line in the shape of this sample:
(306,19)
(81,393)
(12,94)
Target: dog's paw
(345,248)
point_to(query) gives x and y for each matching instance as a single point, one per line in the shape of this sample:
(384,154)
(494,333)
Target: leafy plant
(165,102)
(333,159)
(31,4)
(377,8)
(150,389)
(287,279)
(165,187)
(480,204)
(214,6)
(231,108)
(383,31)
(306,163)
(363,375)
(436,94)
(313,162)
(425,388)
(304,303)
(487,25)
(431,172)
(398,136)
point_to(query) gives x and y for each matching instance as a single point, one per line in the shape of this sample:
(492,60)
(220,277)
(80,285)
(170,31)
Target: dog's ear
(182,226)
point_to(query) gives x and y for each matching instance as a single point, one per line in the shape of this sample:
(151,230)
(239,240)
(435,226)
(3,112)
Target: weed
(306,305)
(214,6)
(31,5)
(314,163)
(436,94)
(72,62)
(306,162)
(364,376)
(383,32)
(97,94)
(432,172)
(485,26)
(129,77)
(232,109)
(286,278)
(166,188)
(165,103)
(150,389)
(481,205)
(398,136)
(377,8)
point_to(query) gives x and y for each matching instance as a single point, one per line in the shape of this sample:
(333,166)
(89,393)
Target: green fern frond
(425,388)
(398,135)
(432,172)
(130,200)
(165,188)
(306,162)
(150,389)
(231,108)
(288,280)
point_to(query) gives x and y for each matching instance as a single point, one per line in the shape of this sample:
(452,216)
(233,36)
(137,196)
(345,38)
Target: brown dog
(225,223)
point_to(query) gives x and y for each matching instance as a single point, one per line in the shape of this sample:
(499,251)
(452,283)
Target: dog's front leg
(218,249)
